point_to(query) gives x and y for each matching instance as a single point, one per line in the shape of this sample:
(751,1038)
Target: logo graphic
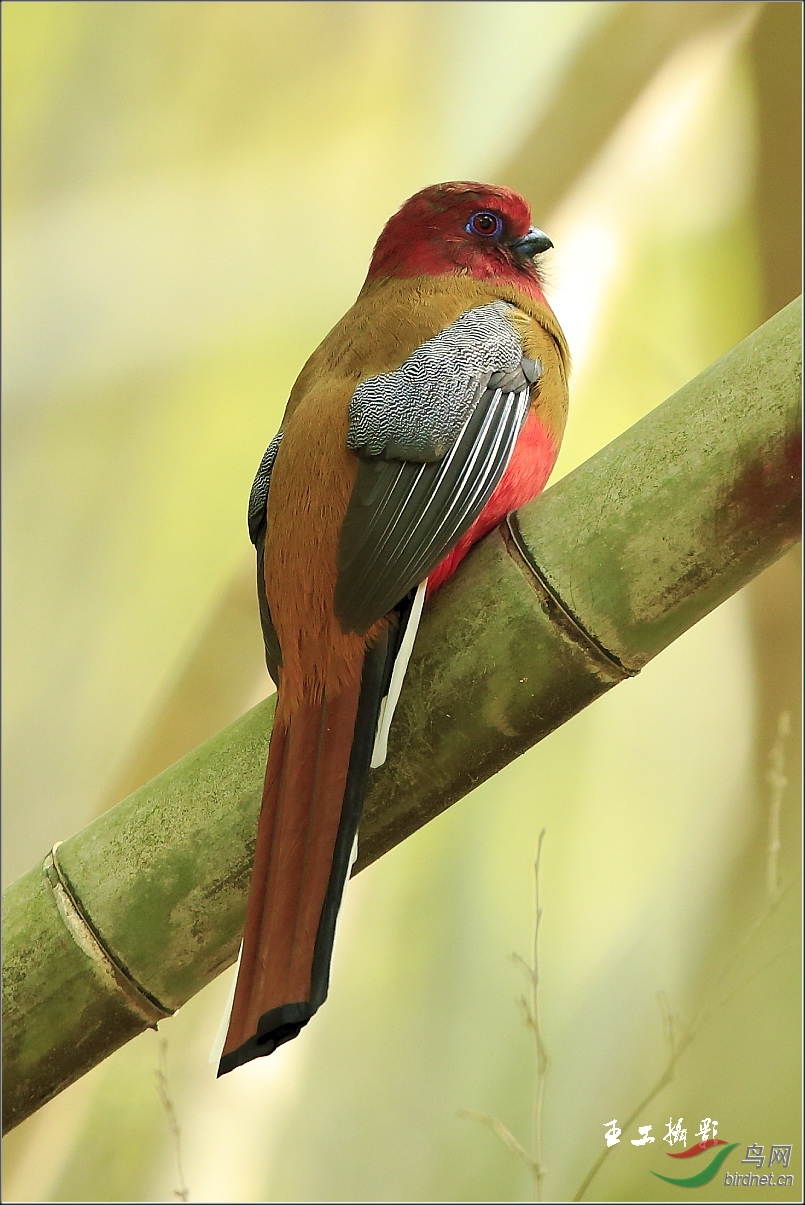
(706,1133)
(707,1173)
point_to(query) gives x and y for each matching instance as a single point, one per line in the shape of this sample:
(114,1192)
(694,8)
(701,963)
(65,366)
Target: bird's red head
(475,229)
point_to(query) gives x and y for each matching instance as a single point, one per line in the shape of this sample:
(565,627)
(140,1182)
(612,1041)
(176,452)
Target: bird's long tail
(315,782)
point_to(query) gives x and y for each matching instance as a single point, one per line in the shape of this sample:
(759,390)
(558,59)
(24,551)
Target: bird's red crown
(460,227)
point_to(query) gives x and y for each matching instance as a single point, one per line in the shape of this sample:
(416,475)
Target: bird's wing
(258,502)
(433,439)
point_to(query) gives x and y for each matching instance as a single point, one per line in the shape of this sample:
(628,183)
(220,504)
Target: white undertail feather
(353,858)
(389,704)
(220,1037)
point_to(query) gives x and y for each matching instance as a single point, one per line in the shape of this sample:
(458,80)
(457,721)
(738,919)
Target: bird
(432,409)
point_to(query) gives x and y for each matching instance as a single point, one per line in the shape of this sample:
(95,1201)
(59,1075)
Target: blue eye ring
(485,224)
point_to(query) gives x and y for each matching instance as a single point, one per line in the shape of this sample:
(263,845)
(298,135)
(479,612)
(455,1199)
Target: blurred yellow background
(191,194)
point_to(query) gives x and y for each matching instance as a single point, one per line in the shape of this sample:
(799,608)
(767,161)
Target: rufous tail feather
(313,793)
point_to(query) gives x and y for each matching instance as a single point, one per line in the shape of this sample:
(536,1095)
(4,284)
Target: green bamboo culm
(124,922)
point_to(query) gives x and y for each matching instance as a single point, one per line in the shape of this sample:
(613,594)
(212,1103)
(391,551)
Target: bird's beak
(531,244)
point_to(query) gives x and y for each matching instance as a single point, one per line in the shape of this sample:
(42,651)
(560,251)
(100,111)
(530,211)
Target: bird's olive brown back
(314,474)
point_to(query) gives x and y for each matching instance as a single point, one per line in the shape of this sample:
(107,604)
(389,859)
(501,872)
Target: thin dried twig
(540,1051)
(679,1035)
(777,779)
(530,1010)
(182,1192)
(503,1133)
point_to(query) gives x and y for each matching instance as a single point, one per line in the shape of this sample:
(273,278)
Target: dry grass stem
(182,1192)
(530,1011)
(540,1051)
(503,1133)
(776,777)
(679,1035)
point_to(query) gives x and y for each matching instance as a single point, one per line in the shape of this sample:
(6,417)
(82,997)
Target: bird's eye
(488,225)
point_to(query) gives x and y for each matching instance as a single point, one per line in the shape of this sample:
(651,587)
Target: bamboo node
(87,937)
(552,602)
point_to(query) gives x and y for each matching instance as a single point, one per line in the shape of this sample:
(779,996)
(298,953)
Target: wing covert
(417,411)
(258,498)
(257,517)
(407,512)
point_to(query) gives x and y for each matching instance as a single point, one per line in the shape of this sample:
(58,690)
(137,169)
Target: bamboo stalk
(136,913)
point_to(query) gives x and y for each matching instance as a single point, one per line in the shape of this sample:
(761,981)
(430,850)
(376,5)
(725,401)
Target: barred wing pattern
(258,498)
(257,518)
(410,506)
(418,411)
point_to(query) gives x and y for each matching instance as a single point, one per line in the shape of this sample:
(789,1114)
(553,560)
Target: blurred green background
(191,194)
